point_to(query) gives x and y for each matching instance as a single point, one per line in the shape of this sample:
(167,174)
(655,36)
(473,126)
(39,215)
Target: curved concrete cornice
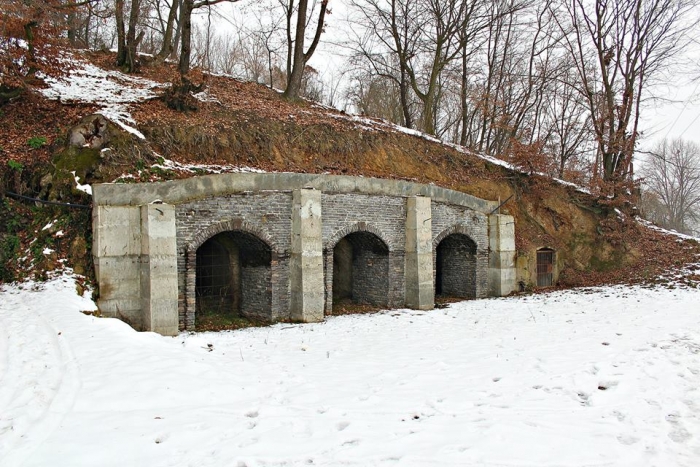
(206,186)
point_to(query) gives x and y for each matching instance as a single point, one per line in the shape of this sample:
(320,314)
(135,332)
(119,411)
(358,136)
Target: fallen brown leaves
(33,116)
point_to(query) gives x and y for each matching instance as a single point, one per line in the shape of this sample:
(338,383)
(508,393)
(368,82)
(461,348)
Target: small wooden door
(545,267)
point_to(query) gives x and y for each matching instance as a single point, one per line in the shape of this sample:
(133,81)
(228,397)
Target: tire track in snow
(39,380)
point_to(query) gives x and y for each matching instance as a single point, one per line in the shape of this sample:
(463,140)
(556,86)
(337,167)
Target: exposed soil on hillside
(246,124)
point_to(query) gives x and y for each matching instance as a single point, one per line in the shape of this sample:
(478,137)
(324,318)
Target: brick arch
(455,229)
(358,227)
(190,253)
(453,276)
(227,226)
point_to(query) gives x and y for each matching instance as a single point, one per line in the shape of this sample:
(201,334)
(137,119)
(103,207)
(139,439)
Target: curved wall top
(199,187)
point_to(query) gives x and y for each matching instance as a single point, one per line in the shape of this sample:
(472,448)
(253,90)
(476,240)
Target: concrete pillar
(502,255)
(159,269)
(116,250)
(306,261)
(420,292)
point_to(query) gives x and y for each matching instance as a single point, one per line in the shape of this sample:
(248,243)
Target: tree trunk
(463,99)
(132,41)
(298,62)
(167,47)
(300,58)
(186,39)
(290,42)
(121,35)
(31,52)
(405,107)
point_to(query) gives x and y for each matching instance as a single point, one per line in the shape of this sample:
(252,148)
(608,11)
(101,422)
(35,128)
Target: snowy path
(605,377)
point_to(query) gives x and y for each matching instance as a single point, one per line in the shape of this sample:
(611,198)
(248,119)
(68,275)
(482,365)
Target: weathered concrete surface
(159,269)
(502,272)
(180,191)
(146,238)
(306,261)
(420,291)
(116,251)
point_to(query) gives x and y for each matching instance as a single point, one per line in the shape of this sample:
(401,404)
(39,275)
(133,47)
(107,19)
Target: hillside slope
(245,126)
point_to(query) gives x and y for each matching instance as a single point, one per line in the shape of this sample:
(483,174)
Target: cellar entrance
(360,270)
(233,278)
(455,267)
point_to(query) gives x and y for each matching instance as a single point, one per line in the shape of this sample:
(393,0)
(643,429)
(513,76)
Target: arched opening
(233,280)
(455,267)
(360,272)
(545,267)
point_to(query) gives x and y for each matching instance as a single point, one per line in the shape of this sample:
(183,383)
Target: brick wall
(267,216)
(456,267)
(370,265)
(383,216)
(378,278)
(448,219)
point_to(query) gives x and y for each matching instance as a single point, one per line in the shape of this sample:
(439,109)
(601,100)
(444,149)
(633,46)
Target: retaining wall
(146,238)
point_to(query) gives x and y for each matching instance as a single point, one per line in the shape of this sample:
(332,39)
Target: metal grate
(545,268)
(213,285)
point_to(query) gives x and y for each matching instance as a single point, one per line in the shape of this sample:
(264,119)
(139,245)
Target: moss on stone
(81,160)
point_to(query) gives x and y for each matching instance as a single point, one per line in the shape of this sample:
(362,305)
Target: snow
(168,164)
(49,225)
(679,236)
(204,96)
(606,377)
(84,188)
(111,90)
(376,124)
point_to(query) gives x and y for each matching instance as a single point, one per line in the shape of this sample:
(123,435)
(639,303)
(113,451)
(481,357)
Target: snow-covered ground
(596,377)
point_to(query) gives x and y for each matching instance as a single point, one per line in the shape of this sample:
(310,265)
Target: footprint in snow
(679,435)
(627,440)
(342,425)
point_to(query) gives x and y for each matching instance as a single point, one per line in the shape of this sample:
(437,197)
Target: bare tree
(672,176)
(390,36)
(424,38)
(128,40)
(188,6)
(569,132)
(169,44)
(300,57)
(618,48)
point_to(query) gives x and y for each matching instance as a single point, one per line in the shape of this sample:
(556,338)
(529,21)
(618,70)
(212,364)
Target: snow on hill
(606,376)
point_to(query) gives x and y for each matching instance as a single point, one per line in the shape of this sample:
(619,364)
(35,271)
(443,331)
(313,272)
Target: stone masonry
(146,238)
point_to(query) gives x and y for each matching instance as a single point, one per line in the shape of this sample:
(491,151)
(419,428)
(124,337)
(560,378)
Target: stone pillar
(502,255)
(306,261)
(159,269)
(116,249)
(420,292)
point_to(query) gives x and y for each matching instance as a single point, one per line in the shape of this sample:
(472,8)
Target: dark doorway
(455,267)
(233,278)
(545,267)
(361,270)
